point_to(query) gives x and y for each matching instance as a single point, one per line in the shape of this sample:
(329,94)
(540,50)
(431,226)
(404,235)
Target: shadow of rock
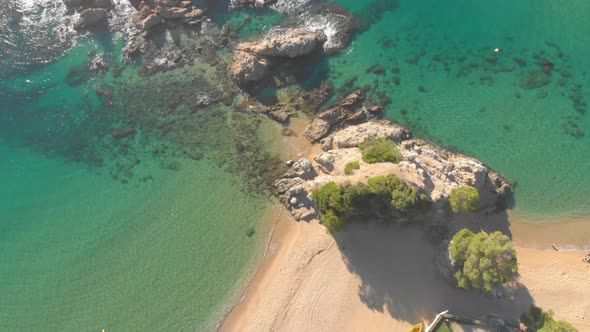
(398,277)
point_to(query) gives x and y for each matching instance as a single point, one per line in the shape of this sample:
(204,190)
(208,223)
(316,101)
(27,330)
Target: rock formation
(252,60)
(91,12)
(433,170)
(291,103)
(334,21)
(151,14)
(91,17)
(349,110)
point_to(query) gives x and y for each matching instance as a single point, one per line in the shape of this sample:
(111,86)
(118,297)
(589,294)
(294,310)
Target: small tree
(484,261)
(380,150)
(332,205)
(464,199)
(536,320)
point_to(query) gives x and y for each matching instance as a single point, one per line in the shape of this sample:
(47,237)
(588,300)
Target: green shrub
(386,194)
(332,221)
(380,150)
(484,261)
(395,192)
(331,204)
(329,197)
(351,166)
(359,198)
(404,198)
(537,320)
(464,199)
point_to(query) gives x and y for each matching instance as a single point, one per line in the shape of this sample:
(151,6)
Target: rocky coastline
(340,129)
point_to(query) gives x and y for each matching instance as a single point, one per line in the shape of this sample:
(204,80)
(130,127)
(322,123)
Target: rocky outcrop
(91,17)
(151,14)
(85,4)
(349,110)
(334,21)
(252,60)
(435,171)
(285,43)
(351,137)
(248,67)
(290,102)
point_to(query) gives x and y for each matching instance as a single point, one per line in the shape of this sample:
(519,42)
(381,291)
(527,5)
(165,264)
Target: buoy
(496,50)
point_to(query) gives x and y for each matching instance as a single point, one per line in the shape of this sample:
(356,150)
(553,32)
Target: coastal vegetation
(464,199)
(350,167)
(385,195)
(537,320)
(484,261)
(380,150)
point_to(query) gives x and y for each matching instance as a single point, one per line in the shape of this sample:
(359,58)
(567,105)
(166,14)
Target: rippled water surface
(443,77)
(154,231)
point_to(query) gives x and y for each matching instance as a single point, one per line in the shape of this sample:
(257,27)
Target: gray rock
(326,160)
(286,43)
(90,17)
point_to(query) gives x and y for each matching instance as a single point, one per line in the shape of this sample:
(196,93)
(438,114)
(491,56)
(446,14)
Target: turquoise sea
(156,230)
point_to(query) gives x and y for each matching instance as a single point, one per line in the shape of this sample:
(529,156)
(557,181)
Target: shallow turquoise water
(93,240)
(97,232)
(476,105)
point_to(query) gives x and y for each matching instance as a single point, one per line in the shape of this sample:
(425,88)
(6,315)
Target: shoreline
(287,250)
(269,300)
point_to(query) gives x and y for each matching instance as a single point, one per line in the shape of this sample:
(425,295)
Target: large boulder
(334,21)
(247,67)
(290,43)
(90,17)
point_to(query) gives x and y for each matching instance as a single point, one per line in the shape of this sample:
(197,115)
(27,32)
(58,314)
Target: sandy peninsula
(380,277)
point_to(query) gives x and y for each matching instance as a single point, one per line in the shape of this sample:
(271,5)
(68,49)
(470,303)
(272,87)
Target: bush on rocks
(383,195)
(380,150)
(350,167)
(464,199)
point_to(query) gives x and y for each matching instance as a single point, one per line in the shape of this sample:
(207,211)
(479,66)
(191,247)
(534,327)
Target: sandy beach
(380,277)
(374,277)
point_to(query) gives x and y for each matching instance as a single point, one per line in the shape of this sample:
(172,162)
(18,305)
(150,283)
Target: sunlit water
(126,239)
(444,79)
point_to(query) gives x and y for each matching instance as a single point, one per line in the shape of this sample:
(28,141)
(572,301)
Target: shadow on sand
(396,265)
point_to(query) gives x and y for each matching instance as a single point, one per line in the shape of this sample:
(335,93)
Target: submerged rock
(534,79)
(122,132)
